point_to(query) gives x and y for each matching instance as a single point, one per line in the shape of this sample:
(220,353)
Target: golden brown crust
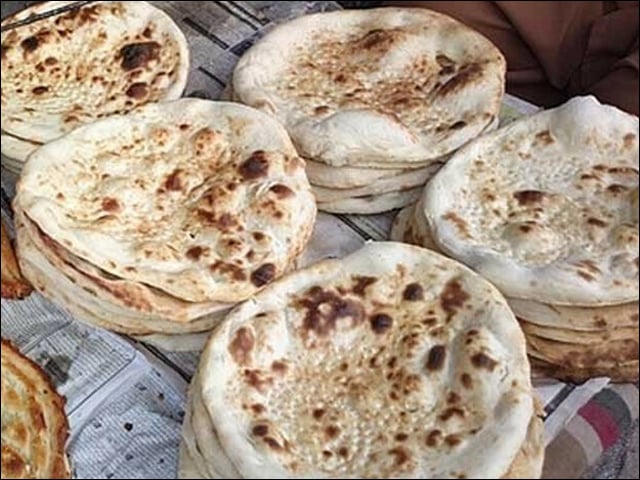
(136,55)
(623,373)
(34,424)
(13,285)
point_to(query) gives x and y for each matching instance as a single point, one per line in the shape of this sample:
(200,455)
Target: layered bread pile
(547,209)
(374,100)
(155,223)
(34,424)
(69,70)
(394,362)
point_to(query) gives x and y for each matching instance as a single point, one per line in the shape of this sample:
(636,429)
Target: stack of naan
(374,100)
(34,424)
(156,223)
(547,209)
(68,70)
(394,362)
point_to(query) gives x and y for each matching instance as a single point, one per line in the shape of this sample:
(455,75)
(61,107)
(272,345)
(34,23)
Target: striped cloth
(597,426)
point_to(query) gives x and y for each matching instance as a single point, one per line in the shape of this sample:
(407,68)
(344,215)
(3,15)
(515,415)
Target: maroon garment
(556,50)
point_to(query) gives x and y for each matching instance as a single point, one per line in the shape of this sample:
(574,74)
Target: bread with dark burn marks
(392,362)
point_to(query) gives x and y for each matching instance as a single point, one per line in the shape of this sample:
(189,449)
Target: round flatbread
(404,181)
(34,424)
(372,203)
(392,362)
(135,298)
(200,441)
(380,87)
(401,227)
(606,354)
(16,148)
(324,175)
(623,373)
(83,302)
(187,467)
(206,201)
(71,69)
(578,337)
(577,319)
(547,207)
(410,227)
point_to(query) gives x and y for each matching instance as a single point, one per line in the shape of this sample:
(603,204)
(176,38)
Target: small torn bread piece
(13,285)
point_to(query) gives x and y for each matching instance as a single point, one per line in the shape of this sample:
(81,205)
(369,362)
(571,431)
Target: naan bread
(578,337)
(547,207)
(402,226)
(530,459)
(206,201)
(83,302)
(16,148)
(201,455)
(201,439)
(13,285)
(135,298)
(567,343)
(392,362)
(568,362)
(324,175)
(623,373)
(34,424)
(410,227)
(187,468)
(371,203)
(404,181)
(577,319)
(71,69)
(381,88)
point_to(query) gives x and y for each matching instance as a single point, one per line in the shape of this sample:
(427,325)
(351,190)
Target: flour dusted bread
(34,424)
(569,343)
(209,201)
(578,319)
(577,343)
(155,224)
(202,456)
(139,299)
(404,181)
(547,207)
(374,87)
(371,203)
(71,69)
(364,91)
(392,362)
(323,175)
